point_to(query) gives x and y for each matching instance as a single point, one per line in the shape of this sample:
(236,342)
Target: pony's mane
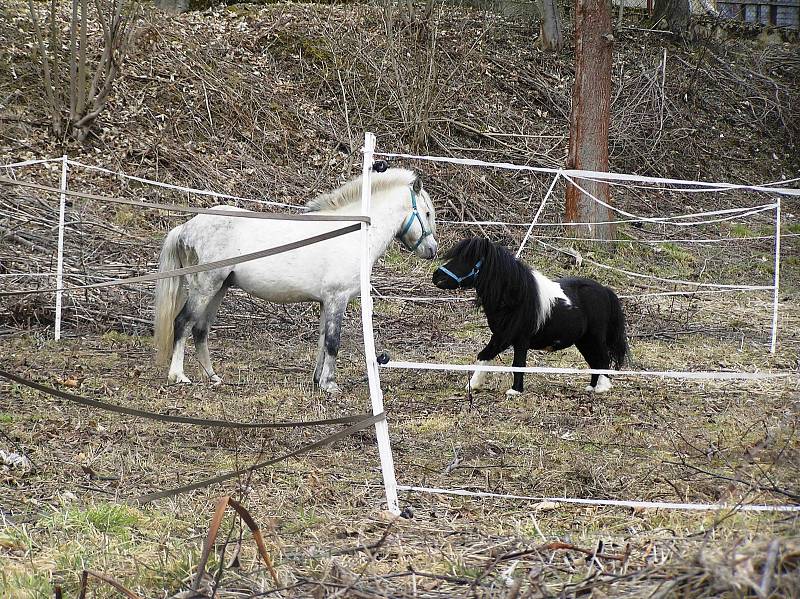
(507,289)
(350,192)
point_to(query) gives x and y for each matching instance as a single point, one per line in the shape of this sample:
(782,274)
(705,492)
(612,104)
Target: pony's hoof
(603,384)
(513,392)
(215,379)
(589,389)
(331,388)
(178,378)
(474,385)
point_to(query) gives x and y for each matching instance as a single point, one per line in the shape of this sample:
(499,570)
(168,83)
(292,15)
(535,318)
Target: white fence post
(776,291)
(60,264)
(375,393)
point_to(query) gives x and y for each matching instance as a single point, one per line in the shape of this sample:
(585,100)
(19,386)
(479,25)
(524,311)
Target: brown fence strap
(213,531)
(105,578)
(309,216)
(155,276)
(362,424)
(170,418)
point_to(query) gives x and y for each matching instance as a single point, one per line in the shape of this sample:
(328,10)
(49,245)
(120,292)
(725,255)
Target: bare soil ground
(271,102)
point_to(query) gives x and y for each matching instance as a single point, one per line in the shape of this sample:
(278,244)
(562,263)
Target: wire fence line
(183,189)
(605,177)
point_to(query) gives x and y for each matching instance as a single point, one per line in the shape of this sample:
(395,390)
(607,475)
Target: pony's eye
(428,214)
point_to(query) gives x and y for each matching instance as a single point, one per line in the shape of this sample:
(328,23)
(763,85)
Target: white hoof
(478,379)
(178,378)
(476,383)
(603,385)
(215,379)
(512,392)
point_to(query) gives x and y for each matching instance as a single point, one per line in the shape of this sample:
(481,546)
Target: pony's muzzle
(442,280)
(428,250)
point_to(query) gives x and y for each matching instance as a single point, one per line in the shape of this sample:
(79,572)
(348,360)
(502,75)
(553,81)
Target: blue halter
(475,270)
(407,224)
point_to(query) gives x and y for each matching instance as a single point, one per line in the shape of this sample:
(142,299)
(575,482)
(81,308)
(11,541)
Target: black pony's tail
(617,340)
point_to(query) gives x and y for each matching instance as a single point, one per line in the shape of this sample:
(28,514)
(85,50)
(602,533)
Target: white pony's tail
(170,298)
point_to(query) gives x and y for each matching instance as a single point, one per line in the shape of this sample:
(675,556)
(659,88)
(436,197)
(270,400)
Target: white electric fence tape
(668,505)
(538,213)
(668,220)
(661,220)
(668,239)
(403,298)
(202,192)
(639,275)
(30,162)
(701,375)
(595,175)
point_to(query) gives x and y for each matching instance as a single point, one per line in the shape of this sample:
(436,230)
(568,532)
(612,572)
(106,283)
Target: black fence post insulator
(383,358)
(380,166)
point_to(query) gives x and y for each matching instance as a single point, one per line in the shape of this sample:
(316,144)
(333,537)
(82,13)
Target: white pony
(325,272)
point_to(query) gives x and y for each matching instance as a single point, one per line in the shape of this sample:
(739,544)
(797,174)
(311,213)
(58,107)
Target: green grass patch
(740,230)
(106,518)
(117,338)
(306,518)
(394,257)
(678,253)
(472,330)
(19,583)
(289,44)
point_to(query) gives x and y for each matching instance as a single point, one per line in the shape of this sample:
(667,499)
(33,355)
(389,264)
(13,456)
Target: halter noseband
(409,221)
(475,270)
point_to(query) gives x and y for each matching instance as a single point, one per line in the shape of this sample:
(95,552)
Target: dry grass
(647,439)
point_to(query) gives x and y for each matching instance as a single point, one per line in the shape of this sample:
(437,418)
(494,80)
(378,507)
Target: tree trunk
(550,36)
(589,119)
(672,14)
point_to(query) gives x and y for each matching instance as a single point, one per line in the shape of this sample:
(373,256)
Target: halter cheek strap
(409,222)
(475,270)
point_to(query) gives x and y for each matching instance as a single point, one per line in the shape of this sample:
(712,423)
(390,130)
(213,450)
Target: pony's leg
(520,359)
(200,334)
(182,324)
(334,313)
(478,379)
(202,292)
(486,355)
(320,344)
(596,354)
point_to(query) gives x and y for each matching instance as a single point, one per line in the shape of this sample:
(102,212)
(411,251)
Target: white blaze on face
(549,293)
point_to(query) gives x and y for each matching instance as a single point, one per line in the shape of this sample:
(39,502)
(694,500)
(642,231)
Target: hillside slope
(273,100)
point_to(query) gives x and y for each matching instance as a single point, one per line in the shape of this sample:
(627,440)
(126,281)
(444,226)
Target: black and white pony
(527,310)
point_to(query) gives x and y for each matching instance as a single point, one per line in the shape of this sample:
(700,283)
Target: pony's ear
(417,185)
